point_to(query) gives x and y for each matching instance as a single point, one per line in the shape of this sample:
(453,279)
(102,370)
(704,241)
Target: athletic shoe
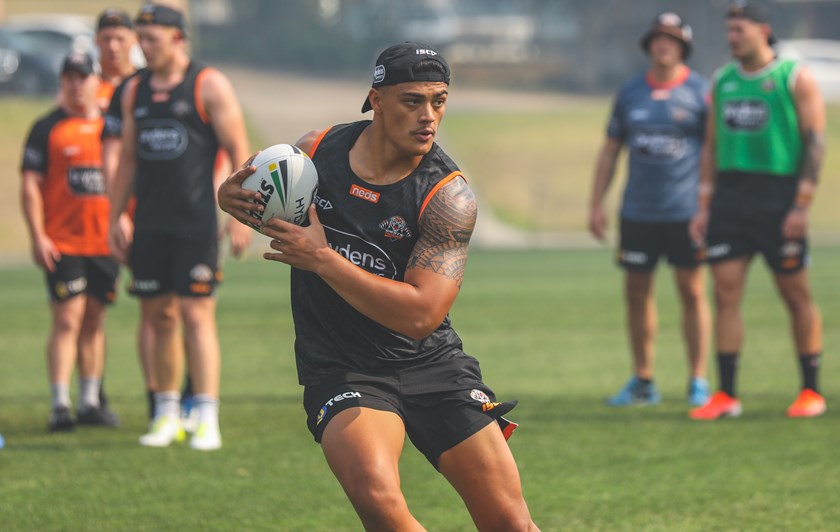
(164,430)
(636,392)
(61,420)
(99,416)
(189,414)
(698,391)
(720,405)
(206,437)
(808,404)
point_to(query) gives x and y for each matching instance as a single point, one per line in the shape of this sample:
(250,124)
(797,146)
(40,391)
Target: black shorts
(163,263)
(746,217)
(74,275)
(642,243)
(440,403)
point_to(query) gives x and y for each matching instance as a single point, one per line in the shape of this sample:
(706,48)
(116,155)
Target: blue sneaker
(635,392)
(698,391)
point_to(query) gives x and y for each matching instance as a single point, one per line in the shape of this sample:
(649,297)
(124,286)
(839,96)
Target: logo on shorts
(201,273)
(633,257)
(790,249)
(70,288)
(479,396)
(486,407)
(718,250)
(145,285)
(340,397)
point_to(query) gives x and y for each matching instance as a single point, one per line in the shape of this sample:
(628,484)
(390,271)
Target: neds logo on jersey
(365,194)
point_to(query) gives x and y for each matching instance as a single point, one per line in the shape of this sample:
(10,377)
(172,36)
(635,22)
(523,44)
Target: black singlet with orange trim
(176,150)
(375,227)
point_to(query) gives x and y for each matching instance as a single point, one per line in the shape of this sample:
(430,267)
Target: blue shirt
(662,127)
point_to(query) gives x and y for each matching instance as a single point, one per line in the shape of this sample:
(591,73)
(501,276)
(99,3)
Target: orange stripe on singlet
(318,141)
(199,103)
(437,187)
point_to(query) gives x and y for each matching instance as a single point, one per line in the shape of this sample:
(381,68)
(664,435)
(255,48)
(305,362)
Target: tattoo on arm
(813,152)
(445,230)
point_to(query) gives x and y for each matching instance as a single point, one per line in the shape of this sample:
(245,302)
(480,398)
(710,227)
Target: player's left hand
(795,224)
(295,245)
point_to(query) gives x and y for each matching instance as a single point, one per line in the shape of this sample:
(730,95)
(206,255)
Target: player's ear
(375,98)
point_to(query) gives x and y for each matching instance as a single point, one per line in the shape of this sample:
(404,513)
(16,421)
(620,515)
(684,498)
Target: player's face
(78,91)
(115,45)
(665,50)
(745,37)
(412,112)
(158,44)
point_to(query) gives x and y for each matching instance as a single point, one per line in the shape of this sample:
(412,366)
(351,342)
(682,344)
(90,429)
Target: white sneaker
(206,437)
(189,418)
(164,430)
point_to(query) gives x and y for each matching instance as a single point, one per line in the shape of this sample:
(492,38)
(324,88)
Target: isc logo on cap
(421,51)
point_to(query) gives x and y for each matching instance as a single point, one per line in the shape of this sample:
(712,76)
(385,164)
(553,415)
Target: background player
(765,142)
(659,115)
(175,118)
(66,210)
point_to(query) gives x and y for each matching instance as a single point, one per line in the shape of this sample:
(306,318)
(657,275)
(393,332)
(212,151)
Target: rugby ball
(287,180)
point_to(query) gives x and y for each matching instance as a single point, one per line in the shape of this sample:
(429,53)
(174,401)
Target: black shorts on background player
(74,275)
(440,403)
(642,243)
(746,217)
(165,263)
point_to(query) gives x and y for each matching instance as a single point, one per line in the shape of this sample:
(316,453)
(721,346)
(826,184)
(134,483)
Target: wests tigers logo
(395,228)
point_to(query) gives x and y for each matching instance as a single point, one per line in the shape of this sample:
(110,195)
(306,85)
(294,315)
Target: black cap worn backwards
(669,24)
(113,17)
(161,15)
(396,65)
(750,11)
(79,62)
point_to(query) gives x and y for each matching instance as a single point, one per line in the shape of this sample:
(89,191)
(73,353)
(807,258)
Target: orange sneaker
(808,404)
(721,404)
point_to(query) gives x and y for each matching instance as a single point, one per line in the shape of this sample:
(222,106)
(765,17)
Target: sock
(103,400)
(89,392)
(167,404)
(727,364)
(60,395)
(208,408)
(809,363)
(150,402)
(187,390)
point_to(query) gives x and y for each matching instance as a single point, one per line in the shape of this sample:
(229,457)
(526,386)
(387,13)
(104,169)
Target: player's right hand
(120,236)
(598,223)
(698,226)
(45,253)
(237,201)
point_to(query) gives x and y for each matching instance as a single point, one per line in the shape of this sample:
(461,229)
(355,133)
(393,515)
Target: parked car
(59,32)
(27,67)
(823,58)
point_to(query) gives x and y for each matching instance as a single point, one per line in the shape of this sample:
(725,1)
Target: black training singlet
(176,150)
(376,228)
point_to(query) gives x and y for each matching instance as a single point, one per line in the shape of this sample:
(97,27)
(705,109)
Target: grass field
(548,329)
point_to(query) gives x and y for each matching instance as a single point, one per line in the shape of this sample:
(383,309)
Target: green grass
(548,329)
